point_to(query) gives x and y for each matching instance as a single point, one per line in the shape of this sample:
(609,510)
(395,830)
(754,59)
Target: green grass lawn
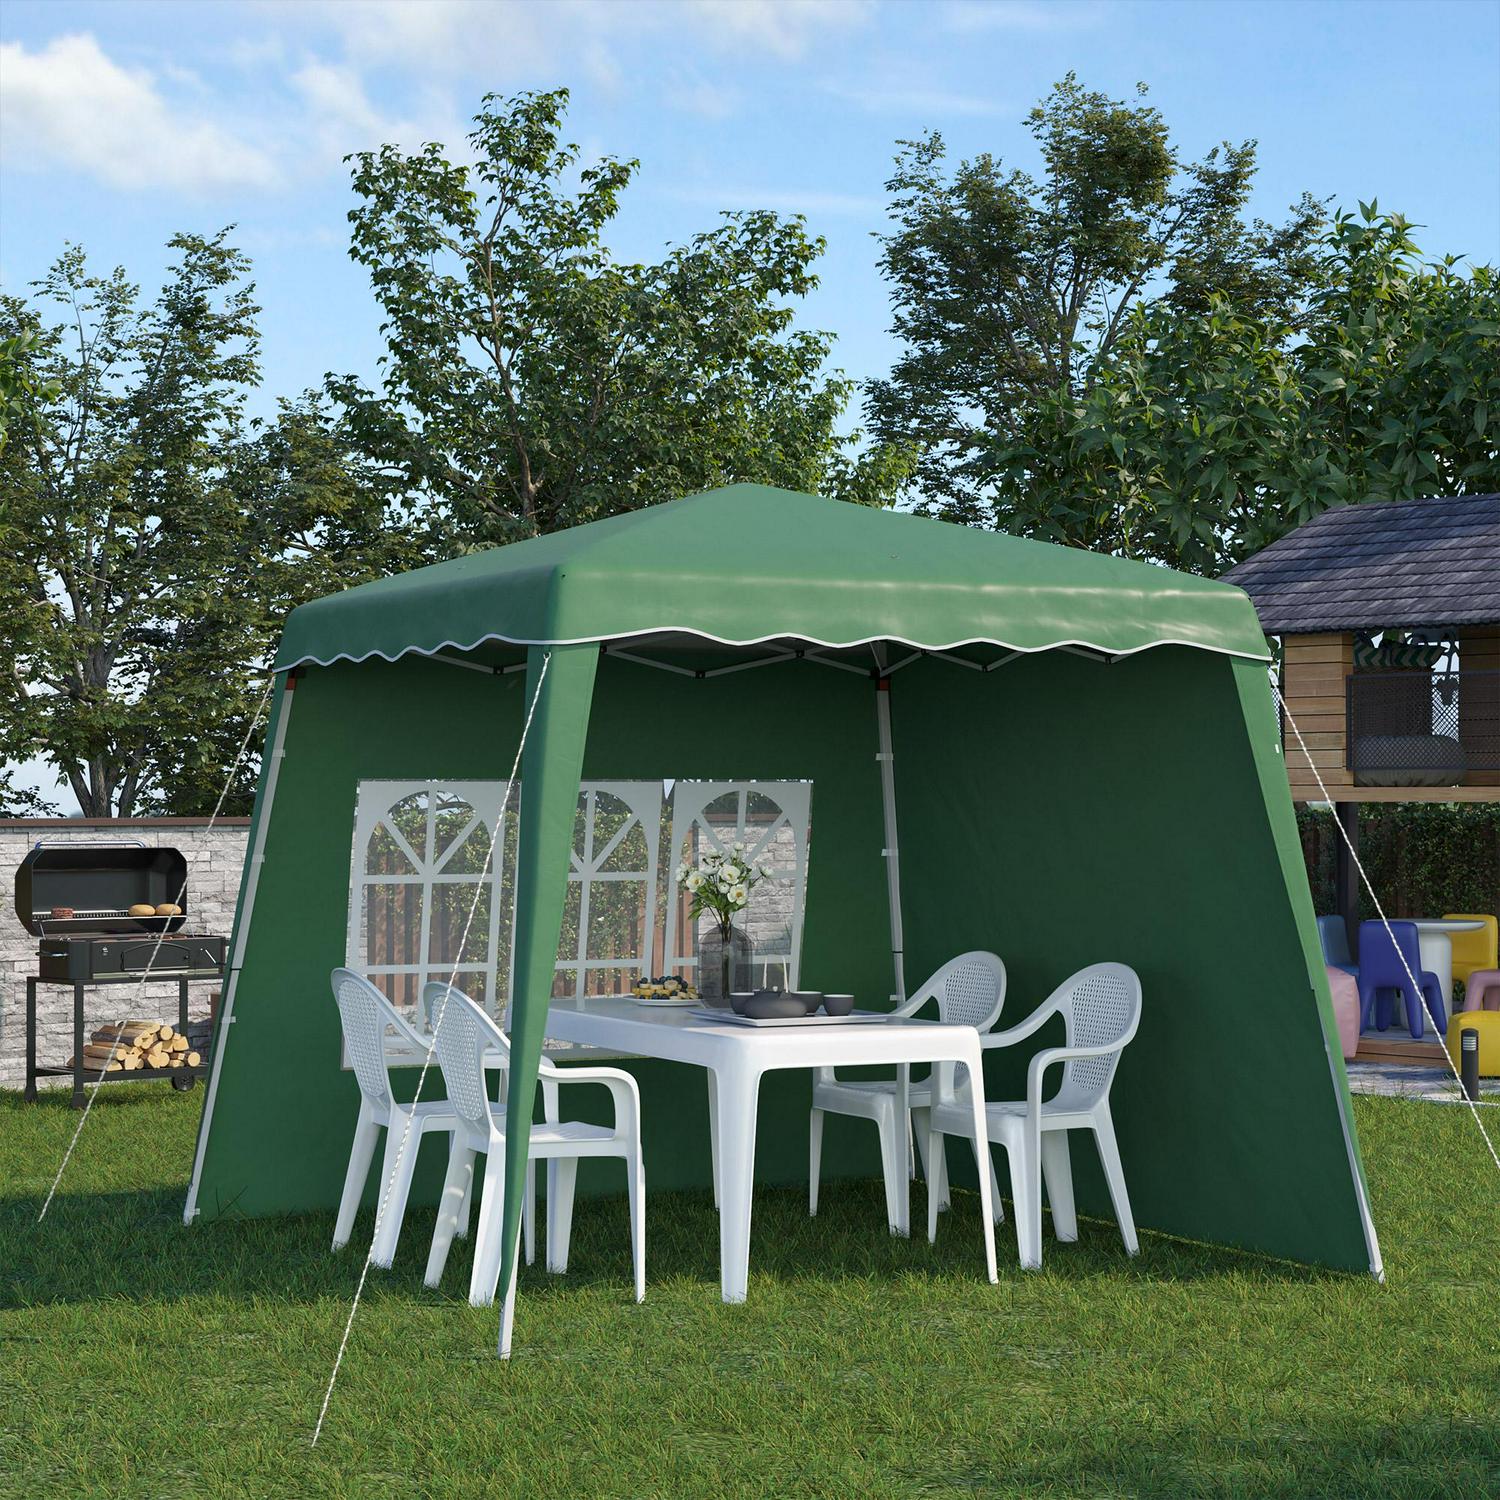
(139,1358)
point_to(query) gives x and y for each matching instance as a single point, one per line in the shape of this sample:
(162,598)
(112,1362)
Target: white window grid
(691,801)
(645,801)
(643,804)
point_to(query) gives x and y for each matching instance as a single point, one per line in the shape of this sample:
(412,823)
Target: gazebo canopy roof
(1404,565)
(750,564)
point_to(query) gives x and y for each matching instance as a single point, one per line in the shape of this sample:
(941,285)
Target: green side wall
(279,1138)
(1133,815)
(1057,810)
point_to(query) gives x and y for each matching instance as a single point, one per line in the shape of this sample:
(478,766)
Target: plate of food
(668,989)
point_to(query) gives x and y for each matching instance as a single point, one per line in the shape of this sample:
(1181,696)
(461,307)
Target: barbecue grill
(97,884)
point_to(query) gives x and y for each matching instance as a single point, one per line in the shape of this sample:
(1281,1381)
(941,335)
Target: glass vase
(723,964)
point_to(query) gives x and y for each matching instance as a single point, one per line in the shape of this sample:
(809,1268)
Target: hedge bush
(1423,858)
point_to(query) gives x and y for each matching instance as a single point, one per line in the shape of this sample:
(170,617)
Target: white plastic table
(736,1056)
(1436,947)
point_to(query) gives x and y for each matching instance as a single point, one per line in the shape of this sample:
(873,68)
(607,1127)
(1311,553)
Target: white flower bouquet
(720,885)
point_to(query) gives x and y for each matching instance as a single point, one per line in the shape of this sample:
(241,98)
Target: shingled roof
(1381,566)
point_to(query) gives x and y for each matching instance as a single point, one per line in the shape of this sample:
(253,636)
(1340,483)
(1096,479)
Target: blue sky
(124,122)
(121,123)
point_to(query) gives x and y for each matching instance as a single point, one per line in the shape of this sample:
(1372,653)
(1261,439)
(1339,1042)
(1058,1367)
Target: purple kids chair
(1383,970)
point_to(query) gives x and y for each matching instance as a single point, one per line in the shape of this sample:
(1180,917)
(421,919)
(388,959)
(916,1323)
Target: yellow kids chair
(1474,950)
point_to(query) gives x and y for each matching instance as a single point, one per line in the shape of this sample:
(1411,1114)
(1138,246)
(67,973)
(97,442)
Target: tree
(1205,436)
(157,536)
(531,381)
(1011,293)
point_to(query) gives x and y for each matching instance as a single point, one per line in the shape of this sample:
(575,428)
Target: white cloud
(520,39)
(512,38)
(934,104)
(697,95)
(969,16)
(782,28)
(68,105)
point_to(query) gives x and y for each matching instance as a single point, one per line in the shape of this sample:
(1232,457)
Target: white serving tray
(665,1000)
(728,1018)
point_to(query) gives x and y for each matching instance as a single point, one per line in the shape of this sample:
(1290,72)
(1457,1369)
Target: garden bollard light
(1468,1051)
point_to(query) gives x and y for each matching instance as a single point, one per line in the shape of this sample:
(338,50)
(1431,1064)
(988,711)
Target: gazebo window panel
(421,900)
(773,820)
(609,915)
(419,909)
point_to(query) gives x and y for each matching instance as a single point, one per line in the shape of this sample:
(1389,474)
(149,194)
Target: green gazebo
(1077,757)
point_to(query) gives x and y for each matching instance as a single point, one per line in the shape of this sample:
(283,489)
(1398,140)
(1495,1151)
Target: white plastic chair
(1101,1008)
(367,1016)
(969,991)
(466,1040)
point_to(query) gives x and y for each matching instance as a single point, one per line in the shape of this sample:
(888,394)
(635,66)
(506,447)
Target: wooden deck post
(1314,669)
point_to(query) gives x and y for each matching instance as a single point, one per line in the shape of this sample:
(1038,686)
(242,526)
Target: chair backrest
(461,1035)
(969,990)
(1474,950)
(1101,1007)
(1383,963)
(1334,936)
(366,1015)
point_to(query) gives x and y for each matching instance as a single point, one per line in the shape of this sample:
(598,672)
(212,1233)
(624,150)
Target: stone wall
(214,858)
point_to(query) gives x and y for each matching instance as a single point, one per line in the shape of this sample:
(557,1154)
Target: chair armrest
(622,1087)
(1013,1034)
(912,1006)
(1050,1055)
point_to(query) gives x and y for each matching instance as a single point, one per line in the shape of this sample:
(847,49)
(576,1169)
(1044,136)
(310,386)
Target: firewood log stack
(132,1046)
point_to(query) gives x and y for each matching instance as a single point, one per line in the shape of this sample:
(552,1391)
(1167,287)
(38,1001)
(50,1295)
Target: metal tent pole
(891,851)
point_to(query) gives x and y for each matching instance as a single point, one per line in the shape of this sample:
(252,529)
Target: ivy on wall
(1423,858)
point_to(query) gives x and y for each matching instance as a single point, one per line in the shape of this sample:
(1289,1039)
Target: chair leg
(636,1171)
(1414,1007)
(1026,1192)
(489,1243)
(917,1133)
(456,1186)
(1057,1169)
(888,1126)
(937,1179)
(999,1214)
(1384,1003)
(528,1216)
(814,1159)
(937,1167)
(1435,1006)
(466,1208)
(560,1215)
(401,1147)
(1114,1175)
(361,1153)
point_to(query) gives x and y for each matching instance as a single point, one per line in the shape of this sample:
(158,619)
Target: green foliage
(1110,357)
(1423,858)
(21,391)
(1010,293)
(1207,436)
(157,537)
(533,382)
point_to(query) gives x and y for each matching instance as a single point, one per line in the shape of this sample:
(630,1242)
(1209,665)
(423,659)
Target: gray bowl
(811,1000)
(839,1005)
(773,1007)
(739,999)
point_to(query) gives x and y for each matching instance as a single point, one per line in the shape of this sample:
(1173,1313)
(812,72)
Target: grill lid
(100,882)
